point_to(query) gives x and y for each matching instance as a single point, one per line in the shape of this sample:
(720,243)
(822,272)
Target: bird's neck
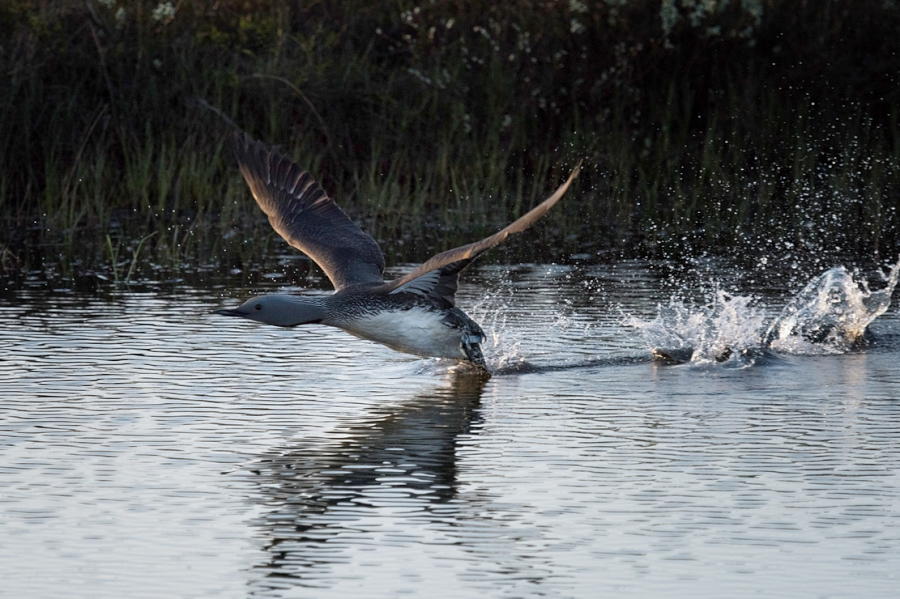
(300,310)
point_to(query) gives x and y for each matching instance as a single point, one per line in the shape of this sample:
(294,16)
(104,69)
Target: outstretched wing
(438,286)
(438,277)
(301,212)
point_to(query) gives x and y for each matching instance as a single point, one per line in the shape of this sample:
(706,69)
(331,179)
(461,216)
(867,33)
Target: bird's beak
(230,312)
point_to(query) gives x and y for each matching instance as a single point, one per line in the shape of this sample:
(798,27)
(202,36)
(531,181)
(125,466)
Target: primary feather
(303,214)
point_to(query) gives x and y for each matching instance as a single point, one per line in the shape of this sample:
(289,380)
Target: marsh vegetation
(705,126)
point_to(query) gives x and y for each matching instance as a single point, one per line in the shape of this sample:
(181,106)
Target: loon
(414,313)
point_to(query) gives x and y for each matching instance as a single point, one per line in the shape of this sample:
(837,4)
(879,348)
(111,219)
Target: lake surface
(149,448)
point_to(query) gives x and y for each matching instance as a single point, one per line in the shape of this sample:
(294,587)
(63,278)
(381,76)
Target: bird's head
(281,310)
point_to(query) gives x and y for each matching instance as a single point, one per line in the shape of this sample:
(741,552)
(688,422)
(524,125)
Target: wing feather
(452,262)
(303,214)
(438,286)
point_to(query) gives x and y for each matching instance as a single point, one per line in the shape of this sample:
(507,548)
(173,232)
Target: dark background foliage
(704,125)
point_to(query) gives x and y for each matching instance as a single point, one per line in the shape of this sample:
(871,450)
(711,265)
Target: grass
(435,124)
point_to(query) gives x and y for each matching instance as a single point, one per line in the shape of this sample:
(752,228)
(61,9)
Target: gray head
(281,310)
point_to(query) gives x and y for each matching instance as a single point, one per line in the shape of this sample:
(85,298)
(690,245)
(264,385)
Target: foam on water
(828,316)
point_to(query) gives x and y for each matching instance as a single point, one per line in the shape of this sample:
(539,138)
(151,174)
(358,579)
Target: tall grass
(442,121)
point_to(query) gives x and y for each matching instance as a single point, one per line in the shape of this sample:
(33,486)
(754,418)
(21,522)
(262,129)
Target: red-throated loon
(415,313)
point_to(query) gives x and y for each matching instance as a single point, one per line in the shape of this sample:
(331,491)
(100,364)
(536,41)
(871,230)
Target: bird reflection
(401,462)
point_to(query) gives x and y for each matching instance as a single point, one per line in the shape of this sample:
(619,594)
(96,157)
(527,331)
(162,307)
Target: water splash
(502,345)
(552,324)
(728,329)
(831,313)
(829,316)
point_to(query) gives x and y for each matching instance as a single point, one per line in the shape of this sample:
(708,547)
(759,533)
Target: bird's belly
(415,331)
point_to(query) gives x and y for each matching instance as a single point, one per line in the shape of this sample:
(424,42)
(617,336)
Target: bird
(415,313)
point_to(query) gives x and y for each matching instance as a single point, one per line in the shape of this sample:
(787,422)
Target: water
(151,449)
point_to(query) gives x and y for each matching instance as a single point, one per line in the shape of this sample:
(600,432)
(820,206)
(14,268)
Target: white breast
(415,331)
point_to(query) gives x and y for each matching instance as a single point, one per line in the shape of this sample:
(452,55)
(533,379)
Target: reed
(437,123)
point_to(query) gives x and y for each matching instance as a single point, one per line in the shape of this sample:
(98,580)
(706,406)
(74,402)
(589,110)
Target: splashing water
(502,345)
(552,326)
(728,329)
(830,315)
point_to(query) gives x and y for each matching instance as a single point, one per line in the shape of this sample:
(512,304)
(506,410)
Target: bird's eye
(259,306)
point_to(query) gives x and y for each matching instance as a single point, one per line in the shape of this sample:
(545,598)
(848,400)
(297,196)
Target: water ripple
(151,449)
